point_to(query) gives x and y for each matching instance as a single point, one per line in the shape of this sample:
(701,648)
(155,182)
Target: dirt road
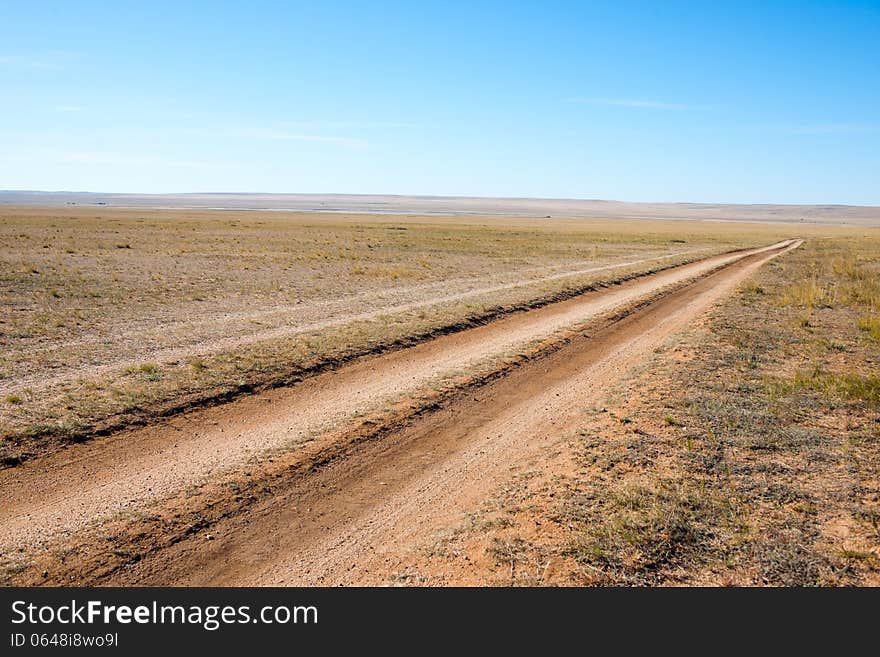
(353,517)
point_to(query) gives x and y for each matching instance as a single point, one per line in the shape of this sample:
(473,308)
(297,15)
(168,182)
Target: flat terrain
(114,317)
(196,397)
(461,206)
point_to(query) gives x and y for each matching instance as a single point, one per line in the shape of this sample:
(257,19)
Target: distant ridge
(458,205)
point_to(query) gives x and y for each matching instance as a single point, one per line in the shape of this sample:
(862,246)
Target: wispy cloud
(272,134)
(60,156)
(355,125)
(634,103)
(822,128)
(322,132)
(66,109)
(48,60)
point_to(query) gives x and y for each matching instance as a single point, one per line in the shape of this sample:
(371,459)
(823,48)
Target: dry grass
(840,273)
(773,476)
(848,385)
(871,326)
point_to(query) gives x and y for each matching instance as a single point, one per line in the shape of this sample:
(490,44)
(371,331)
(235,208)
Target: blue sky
(643,101)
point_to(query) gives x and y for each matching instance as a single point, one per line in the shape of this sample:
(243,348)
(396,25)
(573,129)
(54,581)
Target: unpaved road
(354,519)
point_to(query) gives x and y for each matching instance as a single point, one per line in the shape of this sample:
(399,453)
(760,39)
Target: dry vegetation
(117,316)
(746,453)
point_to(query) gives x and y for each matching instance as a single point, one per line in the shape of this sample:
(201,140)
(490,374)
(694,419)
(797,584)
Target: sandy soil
(356,515)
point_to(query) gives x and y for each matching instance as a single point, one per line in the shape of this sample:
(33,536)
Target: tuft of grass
(783,560)
(198,365)
(809,293)
(150,371)
(859,386)
(853,386)
(671,421)
(643,530)
(13,399)
(871,326)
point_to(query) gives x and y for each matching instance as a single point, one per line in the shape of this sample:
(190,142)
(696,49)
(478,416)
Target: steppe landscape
(320,390)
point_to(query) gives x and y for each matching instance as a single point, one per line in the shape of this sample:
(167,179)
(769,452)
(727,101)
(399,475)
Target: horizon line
(439,196)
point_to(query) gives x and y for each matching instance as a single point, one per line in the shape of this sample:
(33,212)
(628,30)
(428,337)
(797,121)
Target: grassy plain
(114,316)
